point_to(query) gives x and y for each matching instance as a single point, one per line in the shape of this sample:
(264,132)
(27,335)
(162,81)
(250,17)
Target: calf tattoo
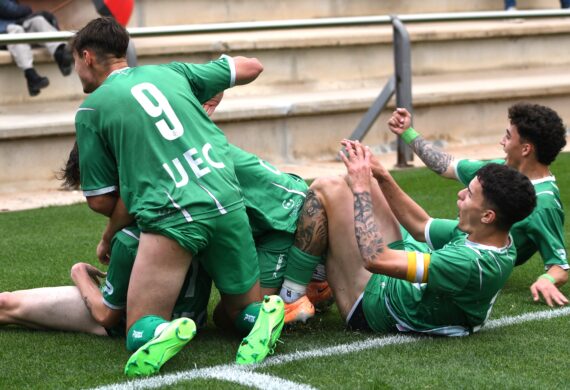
(433,158)
(312,228)
(370,242)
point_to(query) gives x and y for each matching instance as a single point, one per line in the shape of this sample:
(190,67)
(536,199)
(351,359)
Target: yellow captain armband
(418,264)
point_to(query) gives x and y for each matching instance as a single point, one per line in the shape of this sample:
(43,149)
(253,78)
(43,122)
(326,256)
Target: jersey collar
(543,180)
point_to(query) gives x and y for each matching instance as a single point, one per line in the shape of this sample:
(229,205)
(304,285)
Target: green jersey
(272,199)
(464,280)
(543,229)
(144,132)
(194,295)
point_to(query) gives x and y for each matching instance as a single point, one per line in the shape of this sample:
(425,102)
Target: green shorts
(409,243)
(374,305)
(227,246)
(272,251)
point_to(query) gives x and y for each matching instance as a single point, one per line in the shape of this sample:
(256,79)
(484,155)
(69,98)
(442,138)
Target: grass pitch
(38,248)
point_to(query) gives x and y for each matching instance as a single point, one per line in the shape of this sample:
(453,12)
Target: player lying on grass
(142,132)
(532,141)
(87,308)
(382,284)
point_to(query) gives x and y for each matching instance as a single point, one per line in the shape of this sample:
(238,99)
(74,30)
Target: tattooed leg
(312,236)
(345,272)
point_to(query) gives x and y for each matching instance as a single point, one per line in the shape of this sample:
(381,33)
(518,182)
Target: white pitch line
(233,373)
(244,374)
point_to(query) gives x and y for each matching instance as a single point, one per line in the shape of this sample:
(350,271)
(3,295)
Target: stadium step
(73,15)
(316,86)
(322,58)
(298,125)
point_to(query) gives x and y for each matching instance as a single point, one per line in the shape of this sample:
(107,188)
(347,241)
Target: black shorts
(357,321)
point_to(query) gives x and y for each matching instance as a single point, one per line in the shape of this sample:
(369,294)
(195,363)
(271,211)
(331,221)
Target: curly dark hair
(540,126)
(105,36)
(70,172)
(508,192)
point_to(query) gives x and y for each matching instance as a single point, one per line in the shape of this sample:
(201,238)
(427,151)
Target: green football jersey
(194,295)
(272,199)
(144,132)
(543,229)
(464,280)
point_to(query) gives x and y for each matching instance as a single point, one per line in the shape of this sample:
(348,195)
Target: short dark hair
(540,126)
(508,192)
(105,36)
(70,172)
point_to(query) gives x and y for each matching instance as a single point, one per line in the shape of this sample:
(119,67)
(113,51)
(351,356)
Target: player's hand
(357,162)
(94,273)
(400,121)
(211,105)
(548,291)
(104,252)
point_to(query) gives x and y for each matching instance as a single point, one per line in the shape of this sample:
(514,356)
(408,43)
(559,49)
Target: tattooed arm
(438,161)
(376,255)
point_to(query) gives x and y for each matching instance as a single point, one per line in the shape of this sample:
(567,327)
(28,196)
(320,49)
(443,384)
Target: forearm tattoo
(312,228)
(368,237)
(433,158)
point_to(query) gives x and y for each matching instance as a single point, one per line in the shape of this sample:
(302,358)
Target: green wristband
(409,135)
(549,277)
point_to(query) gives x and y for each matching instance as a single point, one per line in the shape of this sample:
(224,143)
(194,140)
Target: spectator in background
(16,18)
(511,5)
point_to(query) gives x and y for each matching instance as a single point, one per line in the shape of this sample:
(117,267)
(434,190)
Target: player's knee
(8,304)
(15,29)
(324,186)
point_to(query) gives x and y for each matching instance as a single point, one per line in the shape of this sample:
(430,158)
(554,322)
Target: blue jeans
(513,3)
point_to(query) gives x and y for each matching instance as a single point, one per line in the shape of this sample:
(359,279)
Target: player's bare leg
(56,308)
(157,277)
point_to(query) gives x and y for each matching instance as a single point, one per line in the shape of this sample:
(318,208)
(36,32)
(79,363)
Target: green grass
(38,248)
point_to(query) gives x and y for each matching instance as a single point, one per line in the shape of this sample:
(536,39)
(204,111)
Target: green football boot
(148,359)
(261,341)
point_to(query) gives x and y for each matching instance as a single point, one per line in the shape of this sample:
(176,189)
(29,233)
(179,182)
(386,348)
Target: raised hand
(400,121)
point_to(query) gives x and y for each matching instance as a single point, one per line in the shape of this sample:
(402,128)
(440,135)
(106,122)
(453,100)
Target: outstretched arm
(546,287)
(438,161)
(86,278)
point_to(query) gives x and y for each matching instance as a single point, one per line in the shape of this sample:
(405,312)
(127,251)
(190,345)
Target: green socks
(143,331)
(300,266)
(246,319)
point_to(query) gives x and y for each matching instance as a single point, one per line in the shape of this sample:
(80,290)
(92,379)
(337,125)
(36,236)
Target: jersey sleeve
(448,270)
(119,272)
(439,232)
(466,170)
(207,80)
(545,228)
(97,167)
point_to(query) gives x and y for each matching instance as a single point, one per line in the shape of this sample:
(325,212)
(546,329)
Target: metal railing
(140,32)
(400,83)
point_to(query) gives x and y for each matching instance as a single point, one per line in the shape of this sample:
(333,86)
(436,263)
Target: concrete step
(322,58)
(73,15)
(296,125)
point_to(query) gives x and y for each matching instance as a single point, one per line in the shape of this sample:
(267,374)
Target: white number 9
(154,111)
